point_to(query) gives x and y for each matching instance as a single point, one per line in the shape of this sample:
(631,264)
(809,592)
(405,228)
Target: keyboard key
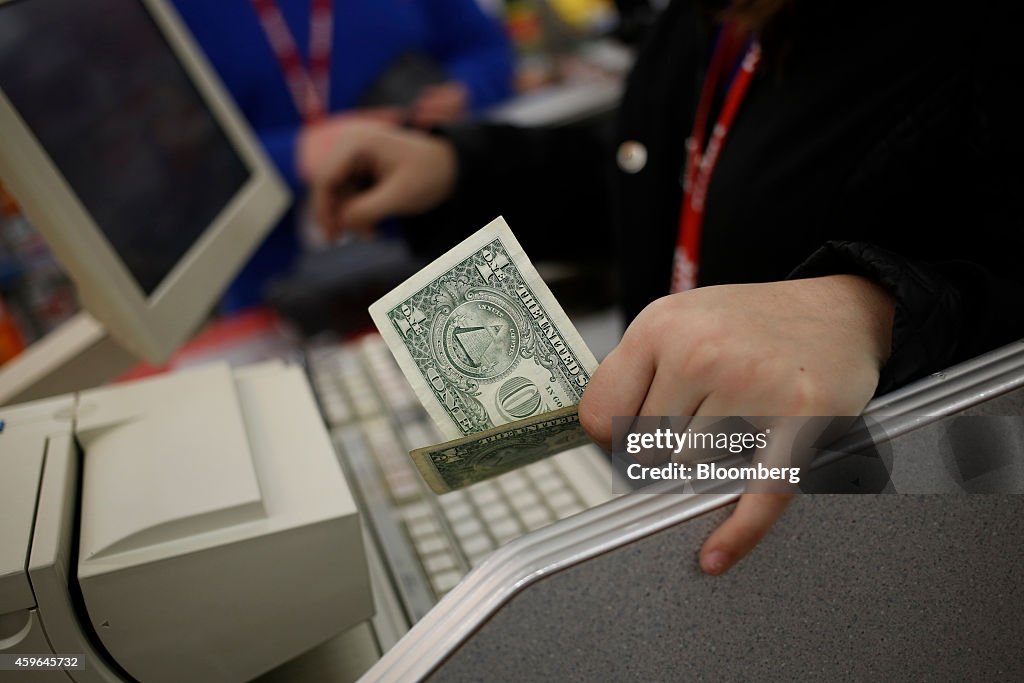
(560,499)
(476,545)
(415,511)
(404,488)
(536,517)
(431,544)
(423,527)
(512,482)
(378,429)
(403,398)
(453,497)
(416,436)
(484,495)
(505,530)
(541,469)
(551,484)
(445,581)
(439,562)
(366,405)
(470,526)
(492,513)
(524,499)
(338,411)
(456,510)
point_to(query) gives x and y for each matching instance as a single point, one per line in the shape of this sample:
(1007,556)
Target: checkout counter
(845,587)
(902,578)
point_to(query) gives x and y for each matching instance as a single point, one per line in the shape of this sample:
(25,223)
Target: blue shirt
(368,36)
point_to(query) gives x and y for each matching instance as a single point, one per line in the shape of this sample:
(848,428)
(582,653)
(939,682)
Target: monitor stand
(79,354)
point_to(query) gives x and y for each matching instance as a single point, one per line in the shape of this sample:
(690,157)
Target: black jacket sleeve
(550,184)
(952,309)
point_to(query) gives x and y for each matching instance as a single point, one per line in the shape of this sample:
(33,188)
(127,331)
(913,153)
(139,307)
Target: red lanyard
(310,85)
(700,163)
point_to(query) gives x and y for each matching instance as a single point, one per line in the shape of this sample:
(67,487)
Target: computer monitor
(127,155)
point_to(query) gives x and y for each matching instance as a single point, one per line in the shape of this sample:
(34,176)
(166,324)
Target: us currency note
(461,462)
(484,343)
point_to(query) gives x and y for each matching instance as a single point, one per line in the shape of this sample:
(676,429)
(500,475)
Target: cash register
(195,526)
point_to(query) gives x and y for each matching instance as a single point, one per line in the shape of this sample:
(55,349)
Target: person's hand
(801,347)
(375,171)
(318,138)
(442,103)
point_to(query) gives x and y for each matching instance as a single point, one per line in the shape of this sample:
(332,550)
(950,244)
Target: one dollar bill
(461,462)
(484,344)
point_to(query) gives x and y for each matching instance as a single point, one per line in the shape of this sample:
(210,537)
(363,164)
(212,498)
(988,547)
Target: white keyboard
(432,541)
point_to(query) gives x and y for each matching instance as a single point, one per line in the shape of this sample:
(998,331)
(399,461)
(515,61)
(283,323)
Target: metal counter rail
(628,518)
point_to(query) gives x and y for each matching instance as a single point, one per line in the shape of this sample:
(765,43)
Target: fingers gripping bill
(484,344)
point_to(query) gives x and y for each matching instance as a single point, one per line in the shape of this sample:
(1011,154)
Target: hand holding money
(491,355)
(798,348)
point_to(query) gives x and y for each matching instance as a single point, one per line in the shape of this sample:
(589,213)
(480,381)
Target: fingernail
(715,562)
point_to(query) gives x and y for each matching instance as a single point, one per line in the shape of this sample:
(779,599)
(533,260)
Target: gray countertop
(845,587)
(854,587)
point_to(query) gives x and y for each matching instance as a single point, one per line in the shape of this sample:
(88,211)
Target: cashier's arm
(802,347)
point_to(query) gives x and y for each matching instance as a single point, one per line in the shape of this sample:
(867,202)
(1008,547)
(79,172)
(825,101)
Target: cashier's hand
(316,140)
(801,347)
(375,171)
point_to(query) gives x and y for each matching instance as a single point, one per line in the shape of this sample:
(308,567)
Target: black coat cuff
(929,311)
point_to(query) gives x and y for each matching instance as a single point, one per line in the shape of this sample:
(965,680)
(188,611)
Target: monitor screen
(105,95)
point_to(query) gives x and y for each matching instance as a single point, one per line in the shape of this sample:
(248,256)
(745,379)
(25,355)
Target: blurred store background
(571,58)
